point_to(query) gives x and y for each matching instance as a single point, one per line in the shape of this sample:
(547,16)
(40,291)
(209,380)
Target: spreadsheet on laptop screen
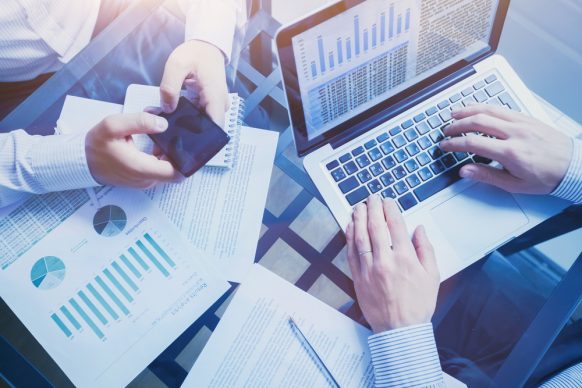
(379,48)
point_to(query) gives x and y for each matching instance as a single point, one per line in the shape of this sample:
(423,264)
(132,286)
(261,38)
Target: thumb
(425,251)
(492,176)
(123,125)
(171,85)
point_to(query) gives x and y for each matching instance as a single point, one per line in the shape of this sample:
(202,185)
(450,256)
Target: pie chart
(109,221)
(47,273)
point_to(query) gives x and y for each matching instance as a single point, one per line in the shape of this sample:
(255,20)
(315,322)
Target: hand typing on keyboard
(396,278)
(535,157)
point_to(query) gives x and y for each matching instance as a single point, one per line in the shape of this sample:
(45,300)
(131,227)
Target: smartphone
(192,138)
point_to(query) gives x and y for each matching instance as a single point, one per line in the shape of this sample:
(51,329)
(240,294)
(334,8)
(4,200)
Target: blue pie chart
(109,221)
(47,273)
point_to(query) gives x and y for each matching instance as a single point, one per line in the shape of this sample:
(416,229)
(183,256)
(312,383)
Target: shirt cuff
(571,186)
(406,357)
(59,163)
(213,22)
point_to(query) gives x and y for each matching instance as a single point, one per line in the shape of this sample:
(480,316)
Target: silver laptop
(370,85)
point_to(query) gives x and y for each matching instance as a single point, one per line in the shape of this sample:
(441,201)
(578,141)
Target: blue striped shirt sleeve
(41,164)
(571,186)
(570,378)
(406,357)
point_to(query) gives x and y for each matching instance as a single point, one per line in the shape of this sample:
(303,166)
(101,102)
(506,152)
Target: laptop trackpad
(478,219)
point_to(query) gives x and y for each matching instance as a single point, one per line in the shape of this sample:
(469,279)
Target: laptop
(370,86)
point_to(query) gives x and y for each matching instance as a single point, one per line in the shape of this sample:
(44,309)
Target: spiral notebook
(139,97)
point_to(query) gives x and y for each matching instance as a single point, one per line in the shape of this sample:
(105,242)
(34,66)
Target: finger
(377,229)
(123,125)
(148,167)
(396,225)
(155,110)
(490,110)
(484,123)
(492,176)
(171,85)
(215,103)
(494,149)
(425,251)
(363,244)
(353,259)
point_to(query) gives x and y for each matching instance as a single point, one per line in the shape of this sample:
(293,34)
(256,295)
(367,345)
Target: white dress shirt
(39,36)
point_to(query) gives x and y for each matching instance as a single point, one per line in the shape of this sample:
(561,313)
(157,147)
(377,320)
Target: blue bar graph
(313,70)
(365,40)
(399,28)
(357,34)
(103,302)
(70,317)
(331,61)
(124,276)
(407,23)
(112,295)
(383,27)
(153,259)
(61,325)
(321,54)
(348,49)
(92,307)
(160,251)
(86,318)
(118,285)
(391,22)
(131,267)
(374,38)
(139,259)
(340,51)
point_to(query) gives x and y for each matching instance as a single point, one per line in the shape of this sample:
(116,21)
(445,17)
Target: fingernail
(161,124)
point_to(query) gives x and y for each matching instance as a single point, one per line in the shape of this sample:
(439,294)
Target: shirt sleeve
(41,164)
(214,21)
(406,357)
(571,186)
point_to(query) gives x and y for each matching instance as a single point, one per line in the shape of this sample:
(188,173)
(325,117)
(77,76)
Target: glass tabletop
(482,313)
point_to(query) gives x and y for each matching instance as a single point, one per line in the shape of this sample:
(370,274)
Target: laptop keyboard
(405,163)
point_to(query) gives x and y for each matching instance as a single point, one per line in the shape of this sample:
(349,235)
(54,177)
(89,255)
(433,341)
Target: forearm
(571,186)
(41,164)
(406,357)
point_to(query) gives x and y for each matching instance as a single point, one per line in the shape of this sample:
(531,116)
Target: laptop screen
(379,48)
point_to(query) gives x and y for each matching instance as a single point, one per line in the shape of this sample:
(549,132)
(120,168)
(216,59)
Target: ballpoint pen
(313,354)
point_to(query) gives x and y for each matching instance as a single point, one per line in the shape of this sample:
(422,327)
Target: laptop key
(407,124)
(480,96)
(338,174)
(467,91)
(460,156)
(455,98)
(364,176)
(374,186)
(469,101)
(375,154)
(400,156)
(387,148)
(331,165)
(431,111)
(412,149)
(424,142)
(437,167)
(419,117)
(395,131)
(413,181)
(438,184)
(371,144)
(481,159)
(357,196)
(479,85)
(363,161)
(423,159)
(449,160)
(399,172)
(411,165)
(443,104)
(491,78)
(399,141)
(348,185)
(425,174)
(407,201)
(389,193)
(494,89)
(358,151)
(436,136)
(345,158)
(383,137)
(401,187)
(510,102)
(446,115)
(411,134)
(351,168)
(435,153)
(423,128)
(387,179)
(376,169)
(435,122)
(389,162)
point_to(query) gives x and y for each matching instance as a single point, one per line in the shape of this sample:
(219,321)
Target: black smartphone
(192,138)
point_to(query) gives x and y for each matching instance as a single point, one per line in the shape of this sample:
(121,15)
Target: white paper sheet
(253,344)
(105,290)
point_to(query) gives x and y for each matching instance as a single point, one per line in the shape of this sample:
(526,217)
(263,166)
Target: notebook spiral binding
(235,121)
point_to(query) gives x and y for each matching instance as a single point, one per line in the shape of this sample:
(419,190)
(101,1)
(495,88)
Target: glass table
(485,314)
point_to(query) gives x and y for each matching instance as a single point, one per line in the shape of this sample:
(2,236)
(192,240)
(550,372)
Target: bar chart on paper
(342,69)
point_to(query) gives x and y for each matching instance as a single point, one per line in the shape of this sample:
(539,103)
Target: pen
(313,353)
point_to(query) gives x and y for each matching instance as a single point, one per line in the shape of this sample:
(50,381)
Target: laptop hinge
(402,106)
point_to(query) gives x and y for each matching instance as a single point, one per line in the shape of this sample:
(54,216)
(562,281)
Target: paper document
(253,345)
(104,290)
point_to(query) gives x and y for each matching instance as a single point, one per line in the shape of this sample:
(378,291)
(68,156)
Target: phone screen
(192,138)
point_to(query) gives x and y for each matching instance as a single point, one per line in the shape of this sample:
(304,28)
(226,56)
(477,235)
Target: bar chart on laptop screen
(347,63)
